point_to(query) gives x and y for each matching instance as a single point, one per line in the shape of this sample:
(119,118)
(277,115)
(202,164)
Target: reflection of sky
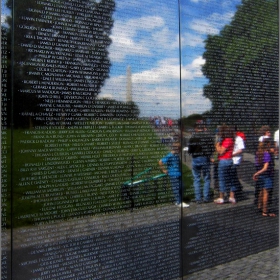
(4,11)
(145,36)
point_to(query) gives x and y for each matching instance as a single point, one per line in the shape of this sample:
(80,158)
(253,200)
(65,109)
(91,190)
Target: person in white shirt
(265,131)
(276,141)
(237,155)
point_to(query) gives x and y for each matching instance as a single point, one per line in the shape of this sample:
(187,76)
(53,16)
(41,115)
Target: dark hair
(226,131)
(264,129)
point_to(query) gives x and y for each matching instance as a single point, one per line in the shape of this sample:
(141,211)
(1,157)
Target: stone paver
(264,265)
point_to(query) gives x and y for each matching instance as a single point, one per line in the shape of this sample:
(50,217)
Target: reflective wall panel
(138,139)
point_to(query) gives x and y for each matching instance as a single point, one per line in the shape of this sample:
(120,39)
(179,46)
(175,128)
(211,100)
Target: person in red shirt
(224,148)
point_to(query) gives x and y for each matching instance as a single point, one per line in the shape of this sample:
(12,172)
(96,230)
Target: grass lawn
(59,173)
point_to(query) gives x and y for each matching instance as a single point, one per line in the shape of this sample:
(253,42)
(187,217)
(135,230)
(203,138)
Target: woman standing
(264,175)
(224,148)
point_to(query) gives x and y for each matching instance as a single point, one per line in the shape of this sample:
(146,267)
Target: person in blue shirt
(170,165)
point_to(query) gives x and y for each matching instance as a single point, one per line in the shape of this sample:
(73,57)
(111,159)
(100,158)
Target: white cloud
(166,70)
(193,71)
(220,20)
(211,25)
(193,40)
(163,101)
(203,26)
(3,19)
(201,1)
(143,36)
(195,103)
(123,42)
(146,23)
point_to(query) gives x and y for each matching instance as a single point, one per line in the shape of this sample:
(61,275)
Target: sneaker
(232,200)
(184,205)
(219,201)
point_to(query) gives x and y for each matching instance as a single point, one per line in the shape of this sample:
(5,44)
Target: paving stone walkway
(264,265)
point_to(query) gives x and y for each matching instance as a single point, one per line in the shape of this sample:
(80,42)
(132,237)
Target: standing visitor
(170,165)
(239,146)
(265,134)
(201,148)
(170,124)
(264,176)
(224,149)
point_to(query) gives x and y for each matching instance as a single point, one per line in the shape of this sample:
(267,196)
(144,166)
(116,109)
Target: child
(264,176)
(172,162)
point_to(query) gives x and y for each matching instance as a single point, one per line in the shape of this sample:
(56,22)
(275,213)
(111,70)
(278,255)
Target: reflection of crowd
(225,153)
(162,123)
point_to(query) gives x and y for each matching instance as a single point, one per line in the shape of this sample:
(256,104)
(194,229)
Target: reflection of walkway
(263,265)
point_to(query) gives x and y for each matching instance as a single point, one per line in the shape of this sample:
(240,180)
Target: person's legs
(176,188)
(232,182)
(224,170)
(260,200)
(216,176)
(267,188)
(238,186)
(196,171)
(264,201)
(206,178)
(222,177)
(228,176)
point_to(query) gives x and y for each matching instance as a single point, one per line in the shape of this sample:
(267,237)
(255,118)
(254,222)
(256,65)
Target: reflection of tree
(60,57)
(242,65)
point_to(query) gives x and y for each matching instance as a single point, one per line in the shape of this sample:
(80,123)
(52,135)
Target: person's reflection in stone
(225,150)
(170,165)
(201,149)
(264,176)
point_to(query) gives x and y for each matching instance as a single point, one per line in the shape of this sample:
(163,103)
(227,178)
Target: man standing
(201,147)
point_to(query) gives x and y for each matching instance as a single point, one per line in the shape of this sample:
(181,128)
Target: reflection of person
(265,135)
(264,176)
(170,165)
(265,132)
(276,143)
(169,124)
(214,161)
(201,148)
(157,123)
(225,149)
(239,146)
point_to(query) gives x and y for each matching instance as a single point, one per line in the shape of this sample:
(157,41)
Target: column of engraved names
(4,154)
